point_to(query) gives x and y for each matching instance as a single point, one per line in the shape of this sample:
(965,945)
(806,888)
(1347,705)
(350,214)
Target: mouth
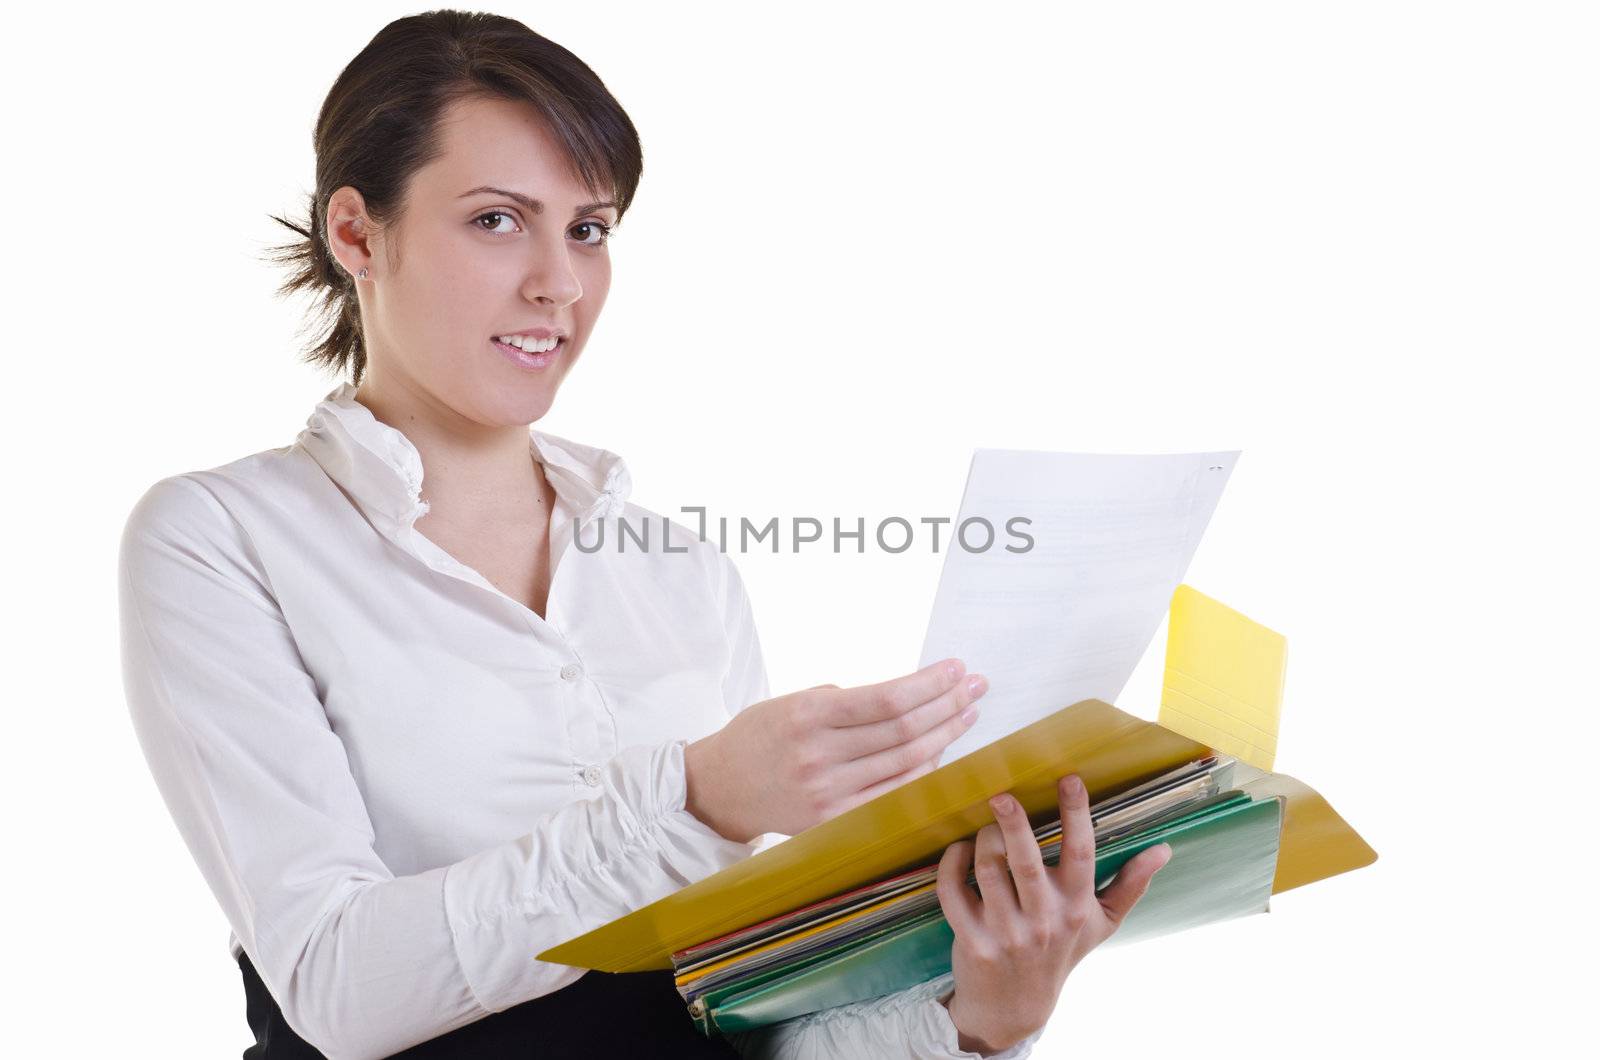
(530,359)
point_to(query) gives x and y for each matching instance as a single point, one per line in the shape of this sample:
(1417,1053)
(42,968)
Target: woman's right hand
(785,764)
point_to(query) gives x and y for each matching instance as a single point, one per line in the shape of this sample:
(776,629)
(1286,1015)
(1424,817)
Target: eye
(594,226)
(495,228)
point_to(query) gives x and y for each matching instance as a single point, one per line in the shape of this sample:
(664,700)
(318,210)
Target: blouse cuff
(586,864)
(929,1030)
(700,849)
(928,994)
(909,1023)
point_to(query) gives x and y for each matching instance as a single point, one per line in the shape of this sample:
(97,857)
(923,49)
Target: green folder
(1223,862)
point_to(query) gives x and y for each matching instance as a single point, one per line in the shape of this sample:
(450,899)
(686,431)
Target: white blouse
(399,782)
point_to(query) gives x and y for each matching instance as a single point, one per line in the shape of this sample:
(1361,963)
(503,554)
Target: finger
(960,905)
(868,770)
(861,740)
(1075,874)
(888,699)
(1000,906)
(1132,881)
(872,792)
(1035,891)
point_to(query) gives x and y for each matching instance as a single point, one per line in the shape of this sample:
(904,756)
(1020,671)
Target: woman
(411,735)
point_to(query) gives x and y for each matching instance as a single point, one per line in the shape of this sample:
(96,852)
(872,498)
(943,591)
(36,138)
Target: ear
(349,230)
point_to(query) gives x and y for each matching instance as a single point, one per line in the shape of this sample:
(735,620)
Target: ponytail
(336,317)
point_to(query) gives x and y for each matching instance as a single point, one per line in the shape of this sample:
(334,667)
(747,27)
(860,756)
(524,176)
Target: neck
(473,474)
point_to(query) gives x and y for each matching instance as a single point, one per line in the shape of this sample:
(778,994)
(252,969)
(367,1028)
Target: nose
(551,279)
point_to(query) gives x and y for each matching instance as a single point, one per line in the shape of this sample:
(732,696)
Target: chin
(523,405)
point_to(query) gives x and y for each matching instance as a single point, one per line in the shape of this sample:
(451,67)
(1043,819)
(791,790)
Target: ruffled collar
(381,470)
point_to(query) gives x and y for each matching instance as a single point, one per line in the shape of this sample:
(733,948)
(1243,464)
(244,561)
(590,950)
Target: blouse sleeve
(911,1023)
(363,963)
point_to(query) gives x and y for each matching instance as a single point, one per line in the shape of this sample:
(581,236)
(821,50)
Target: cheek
(596,282)
(453,290)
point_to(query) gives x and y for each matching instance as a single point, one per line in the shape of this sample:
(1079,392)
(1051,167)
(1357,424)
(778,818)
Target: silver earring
(362,274)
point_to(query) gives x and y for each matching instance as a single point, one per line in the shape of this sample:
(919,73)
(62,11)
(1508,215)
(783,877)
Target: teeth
(528,343)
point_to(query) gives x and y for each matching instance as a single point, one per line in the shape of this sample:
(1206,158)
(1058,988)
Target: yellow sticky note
(1223,684)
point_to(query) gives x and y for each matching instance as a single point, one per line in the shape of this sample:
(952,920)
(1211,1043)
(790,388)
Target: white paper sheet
(1069,618)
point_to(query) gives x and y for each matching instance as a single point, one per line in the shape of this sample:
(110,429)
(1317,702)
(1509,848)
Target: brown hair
(379,125)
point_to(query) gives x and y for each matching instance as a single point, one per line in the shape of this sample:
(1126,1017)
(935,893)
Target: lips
(524,359)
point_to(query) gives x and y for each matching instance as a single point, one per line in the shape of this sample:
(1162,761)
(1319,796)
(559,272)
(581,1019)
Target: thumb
(1133,879)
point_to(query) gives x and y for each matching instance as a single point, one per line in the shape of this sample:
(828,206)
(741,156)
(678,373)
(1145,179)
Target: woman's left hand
(1014,947)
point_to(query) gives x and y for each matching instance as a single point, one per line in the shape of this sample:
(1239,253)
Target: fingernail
(1167,856)
(1074,785)
(969,715)
(977,686)
(1001,804)
(952,670)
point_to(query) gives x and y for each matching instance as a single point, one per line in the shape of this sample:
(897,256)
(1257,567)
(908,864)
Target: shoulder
(204,508)
(173,509)
(271,476)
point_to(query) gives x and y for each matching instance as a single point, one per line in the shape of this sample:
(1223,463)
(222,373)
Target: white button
(571,671)
(591,776)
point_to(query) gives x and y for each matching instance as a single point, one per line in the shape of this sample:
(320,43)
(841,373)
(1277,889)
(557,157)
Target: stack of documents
(890,934)
(847,910)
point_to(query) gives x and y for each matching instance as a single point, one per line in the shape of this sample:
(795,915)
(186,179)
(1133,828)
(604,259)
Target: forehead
(500,142)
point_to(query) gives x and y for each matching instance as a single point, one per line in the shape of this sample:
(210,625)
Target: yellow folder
(911,825)
(1223,683)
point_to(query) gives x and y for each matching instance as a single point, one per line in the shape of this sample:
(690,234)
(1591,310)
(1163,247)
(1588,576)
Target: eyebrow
(530,203)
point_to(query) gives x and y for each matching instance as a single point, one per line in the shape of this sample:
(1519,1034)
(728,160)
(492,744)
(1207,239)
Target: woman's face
(466,265)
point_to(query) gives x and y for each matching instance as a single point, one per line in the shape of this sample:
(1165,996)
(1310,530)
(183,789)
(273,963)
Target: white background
(1356,240)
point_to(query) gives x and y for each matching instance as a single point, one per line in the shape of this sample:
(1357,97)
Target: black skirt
(632,1014)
